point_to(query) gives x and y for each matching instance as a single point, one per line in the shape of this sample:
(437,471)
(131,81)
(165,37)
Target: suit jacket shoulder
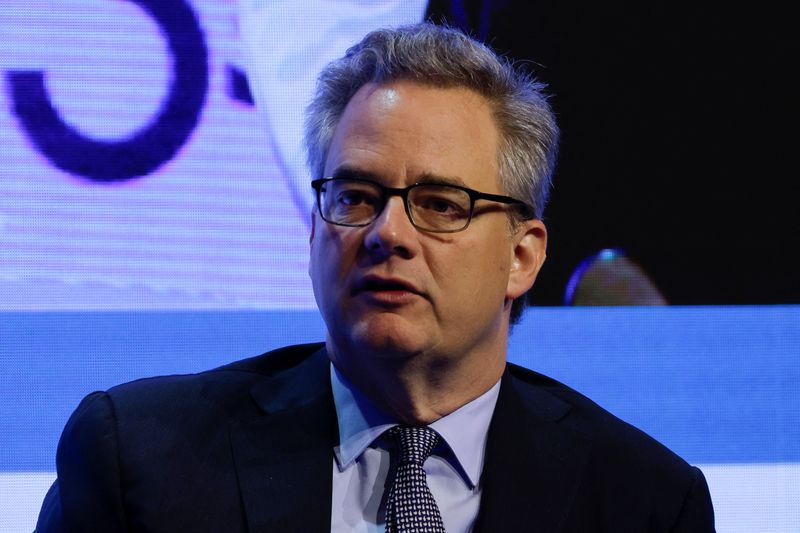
(224,450)
(558,460)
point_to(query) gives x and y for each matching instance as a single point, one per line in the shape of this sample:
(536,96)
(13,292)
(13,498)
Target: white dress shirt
(361,461)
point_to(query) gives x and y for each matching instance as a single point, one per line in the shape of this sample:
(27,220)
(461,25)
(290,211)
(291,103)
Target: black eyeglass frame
(527,212)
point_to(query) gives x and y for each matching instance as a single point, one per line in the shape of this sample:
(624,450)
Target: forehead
(403,130)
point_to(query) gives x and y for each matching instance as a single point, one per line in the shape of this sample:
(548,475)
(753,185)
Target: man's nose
(392,232)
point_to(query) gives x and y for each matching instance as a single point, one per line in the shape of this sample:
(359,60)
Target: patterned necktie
(410,507)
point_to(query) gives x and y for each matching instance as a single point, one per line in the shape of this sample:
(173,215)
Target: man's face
(390,290)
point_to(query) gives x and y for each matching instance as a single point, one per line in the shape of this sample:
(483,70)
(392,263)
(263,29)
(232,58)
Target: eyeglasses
(432,207)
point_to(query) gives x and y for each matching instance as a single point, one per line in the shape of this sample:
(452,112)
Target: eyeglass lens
(431,207)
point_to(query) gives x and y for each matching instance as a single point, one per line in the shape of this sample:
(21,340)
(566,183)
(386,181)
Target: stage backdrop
(152,222)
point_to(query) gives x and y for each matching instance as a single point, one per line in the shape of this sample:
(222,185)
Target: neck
(419,389)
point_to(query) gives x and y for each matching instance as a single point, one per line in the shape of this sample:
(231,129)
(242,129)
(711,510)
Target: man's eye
(354,198)
(441,205)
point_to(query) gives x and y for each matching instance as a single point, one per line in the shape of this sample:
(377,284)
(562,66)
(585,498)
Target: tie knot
(416,443)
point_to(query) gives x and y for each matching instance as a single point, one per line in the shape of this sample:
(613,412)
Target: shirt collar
(465,430)
(360,422)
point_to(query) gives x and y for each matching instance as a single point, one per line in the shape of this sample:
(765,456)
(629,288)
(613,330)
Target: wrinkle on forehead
(416,131)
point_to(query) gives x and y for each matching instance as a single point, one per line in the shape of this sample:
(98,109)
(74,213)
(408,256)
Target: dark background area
(679,134)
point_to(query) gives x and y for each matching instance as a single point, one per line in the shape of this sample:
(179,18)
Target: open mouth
(383,285)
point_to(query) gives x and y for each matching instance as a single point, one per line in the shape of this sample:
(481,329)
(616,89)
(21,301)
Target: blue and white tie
(410,507)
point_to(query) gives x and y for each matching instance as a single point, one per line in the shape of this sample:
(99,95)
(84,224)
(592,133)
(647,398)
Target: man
(431,161)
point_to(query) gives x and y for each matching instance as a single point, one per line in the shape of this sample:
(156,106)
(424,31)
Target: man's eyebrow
(426,177)
(352,172)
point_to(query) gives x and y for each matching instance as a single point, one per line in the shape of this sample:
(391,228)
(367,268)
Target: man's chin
(390,336)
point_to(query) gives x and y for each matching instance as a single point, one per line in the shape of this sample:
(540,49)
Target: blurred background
(154,220)
(679,138)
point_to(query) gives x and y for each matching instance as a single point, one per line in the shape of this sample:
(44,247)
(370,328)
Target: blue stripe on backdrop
(50,360)
(716,384)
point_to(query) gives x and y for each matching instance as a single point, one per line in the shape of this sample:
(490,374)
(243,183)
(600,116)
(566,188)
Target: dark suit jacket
(248,447)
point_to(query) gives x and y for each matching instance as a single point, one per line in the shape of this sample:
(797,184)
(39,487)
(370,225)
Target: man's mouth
(376,284)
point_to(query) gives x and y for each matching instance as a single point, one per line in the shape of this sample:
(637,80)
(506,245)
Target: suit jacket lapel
(533,465)
(284,455)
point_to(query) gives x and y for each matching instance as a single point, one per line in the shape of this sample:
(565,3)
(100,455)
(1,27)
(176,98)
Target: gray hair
(440,56)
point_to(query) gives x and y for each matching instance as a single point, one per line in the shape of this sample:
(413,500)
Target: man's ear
(527,257)
(313,227)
